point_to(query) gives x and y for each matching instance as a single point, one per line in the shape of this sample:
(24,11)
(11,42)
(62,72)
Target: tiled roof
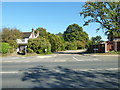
(26,34)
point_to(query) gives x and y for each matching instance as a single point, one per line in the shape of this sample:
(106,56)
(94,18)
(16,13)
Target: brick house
(106,46)
(22,43)
(113,45)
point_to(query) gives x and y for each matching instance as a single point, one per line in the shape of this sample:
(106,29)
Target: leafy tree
(10,36)
(60,34)
(75,33)
(111,35)
(42,32)
(39,45)
(57,42)
(107,14)
(5,48)
(96,40)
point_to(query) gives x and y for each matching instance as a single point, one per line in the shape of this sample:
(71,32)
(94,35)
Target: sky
(53,16)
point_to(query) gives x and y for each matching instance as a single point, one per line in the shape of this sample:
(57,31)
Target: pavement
(60,70)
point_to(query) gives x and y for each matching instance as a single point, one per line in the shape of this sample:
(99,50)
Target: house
(113,45)
(106,46)
(22,43)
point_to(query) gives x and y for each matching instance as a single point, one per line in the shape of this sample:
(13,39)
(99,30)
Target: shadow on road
(62,77)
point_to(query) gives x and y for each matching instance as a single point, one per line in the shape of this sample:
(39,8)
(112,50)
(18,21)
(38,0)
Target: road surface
(60,71)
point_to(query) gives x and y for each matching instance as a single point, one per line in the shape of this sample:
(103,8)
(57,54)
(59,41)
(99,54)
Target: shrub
(70,46)
(39,52)
(5,48)
(30,50)
(80,44)
(38,45)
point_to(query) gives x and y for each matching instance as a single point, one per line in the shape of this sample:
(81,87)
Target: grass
(26,55)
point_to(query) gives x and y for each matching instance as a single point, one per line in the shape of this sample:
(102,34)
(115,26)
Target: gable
(26,34)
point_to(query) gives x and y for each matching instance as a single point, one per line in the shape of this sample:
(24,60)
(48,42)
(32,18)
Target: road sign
(95,48)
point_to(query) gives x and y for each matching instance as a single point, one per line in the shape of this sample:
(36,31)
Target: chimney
(32,29)
(33,35)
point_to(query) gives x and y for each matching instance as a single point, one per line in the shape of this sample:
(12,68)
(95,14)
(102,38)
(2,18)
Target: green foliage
(80,44)
(57,42)
(112,34)
(107,14)
(29,50)
(89,43)
(60,34)
(70,46)
(96,40)
(5,48)
(10,36)
(39,45)
(42,32)
(75,33)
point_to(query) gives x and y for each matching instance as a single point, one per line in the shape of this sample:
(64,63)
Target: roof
(26,34)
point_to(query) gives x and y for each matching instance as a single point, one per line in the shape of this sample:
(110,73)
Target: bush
(39,52)
(80,44)
(70,46)
(57,43)
(30,50)
(5,48)
(38,45)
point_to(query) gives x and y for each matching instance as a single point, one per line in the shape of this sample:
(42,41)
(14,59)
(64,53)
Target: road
(60,71)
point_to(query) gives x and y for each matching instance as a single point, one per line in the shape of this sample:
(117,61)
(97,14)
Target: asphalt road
(60,71)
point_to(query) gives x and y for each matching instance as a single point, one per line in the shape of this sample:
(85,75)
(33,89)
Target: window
(23,40)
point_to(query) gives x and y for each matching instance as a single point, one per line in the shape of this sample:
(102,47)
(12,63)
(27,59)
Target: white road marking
(93,59)
(10,72)
(59,61)
(76,59)
(96,69)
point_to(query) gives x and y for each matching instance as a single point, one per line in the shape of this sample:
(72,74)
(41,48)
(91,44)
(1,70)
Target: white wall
(22,41)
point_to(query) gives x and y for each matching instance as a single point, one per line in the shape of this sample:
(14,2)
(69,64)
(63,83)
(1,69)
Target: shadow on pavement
(62,77)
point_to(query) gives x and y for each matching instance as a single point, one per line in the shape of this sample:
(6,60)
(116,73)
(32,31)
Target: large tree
(107,14)
(75,33)
(42,32)
(56,41)
(10,36)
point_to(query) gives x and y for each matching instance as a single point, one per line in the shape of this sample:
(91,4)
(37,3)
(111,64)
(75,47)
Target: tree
(96,40)
(75,33)
(111,35)
(107,14)
(57,42)
(42,32)
(60,34)
(104,13)
(10,36)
